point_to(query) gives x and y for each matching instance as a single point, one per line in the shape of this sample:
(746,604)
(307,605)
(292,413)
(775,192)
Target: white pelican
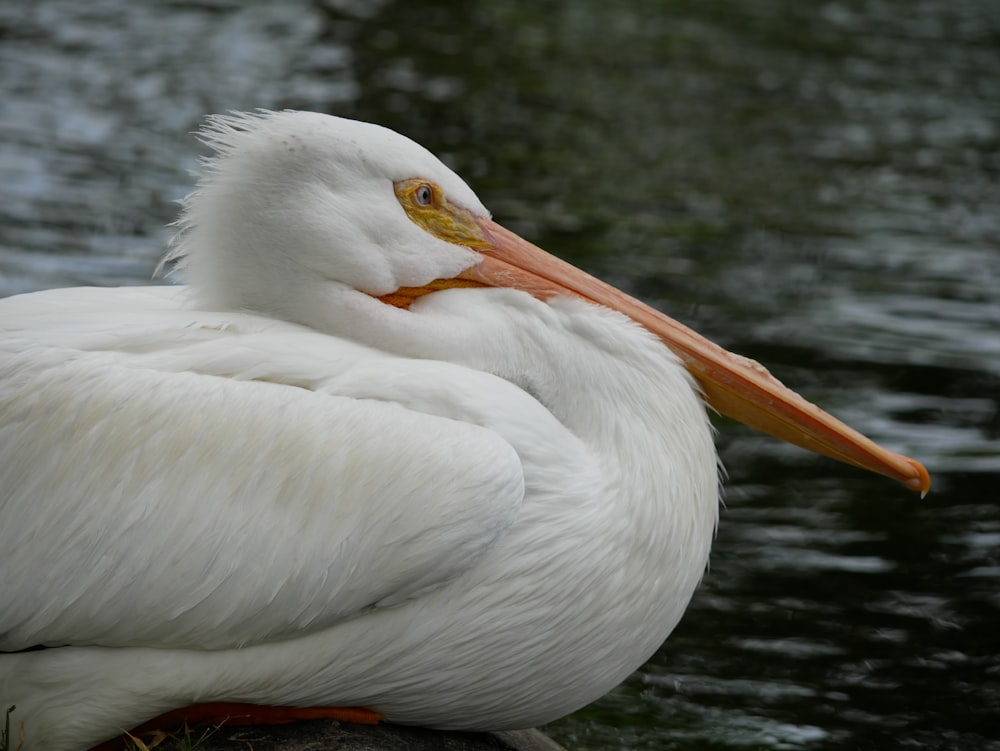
(382,453)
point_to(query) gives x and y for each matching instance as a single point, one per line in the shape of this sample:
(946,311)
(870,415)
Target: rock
(325,735)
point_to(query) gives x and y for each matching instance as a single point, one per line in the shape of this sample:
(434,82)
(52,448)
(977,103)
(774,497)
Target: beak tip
(920,480)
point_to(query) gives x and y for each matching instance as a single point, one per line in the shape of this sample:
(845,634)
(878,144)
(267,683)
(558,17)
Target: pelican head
(330,181)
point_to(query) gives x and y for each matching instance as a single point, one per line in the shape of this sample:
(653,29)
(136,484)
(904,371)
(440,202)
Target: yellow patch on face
(428,207)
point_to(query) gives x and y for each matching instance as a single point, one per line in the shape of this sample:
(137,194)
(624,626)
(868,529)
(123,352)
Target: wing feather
(180,482)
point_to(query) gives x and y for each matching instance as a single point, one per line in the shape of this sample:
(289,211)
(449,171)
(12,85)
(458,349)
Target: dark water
(814,184)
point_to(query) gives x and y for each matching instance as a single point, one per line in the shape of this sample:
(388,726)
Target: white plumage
(477,508)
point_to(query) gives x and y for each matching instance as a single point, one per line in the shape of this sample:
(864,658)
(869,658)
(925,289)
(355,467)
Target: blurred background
(812,184)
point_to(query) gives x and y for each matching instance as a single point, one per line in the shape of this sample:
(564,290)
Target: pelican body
(378,452)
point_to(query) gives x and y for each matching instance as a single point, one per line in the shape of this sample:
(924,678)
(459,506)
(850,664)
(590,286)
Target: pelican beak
(736,386)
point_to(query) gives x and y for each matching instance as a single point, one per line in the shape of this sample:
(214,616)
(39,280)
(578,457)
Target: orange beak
(736,386)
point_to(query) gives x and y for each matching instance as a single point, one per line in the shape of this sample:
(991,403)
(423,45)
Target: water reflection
(813,184)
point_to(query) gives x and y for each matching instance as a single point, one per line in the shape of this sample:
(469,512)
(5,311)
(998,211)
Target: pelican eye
(429,208)
(424,194)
